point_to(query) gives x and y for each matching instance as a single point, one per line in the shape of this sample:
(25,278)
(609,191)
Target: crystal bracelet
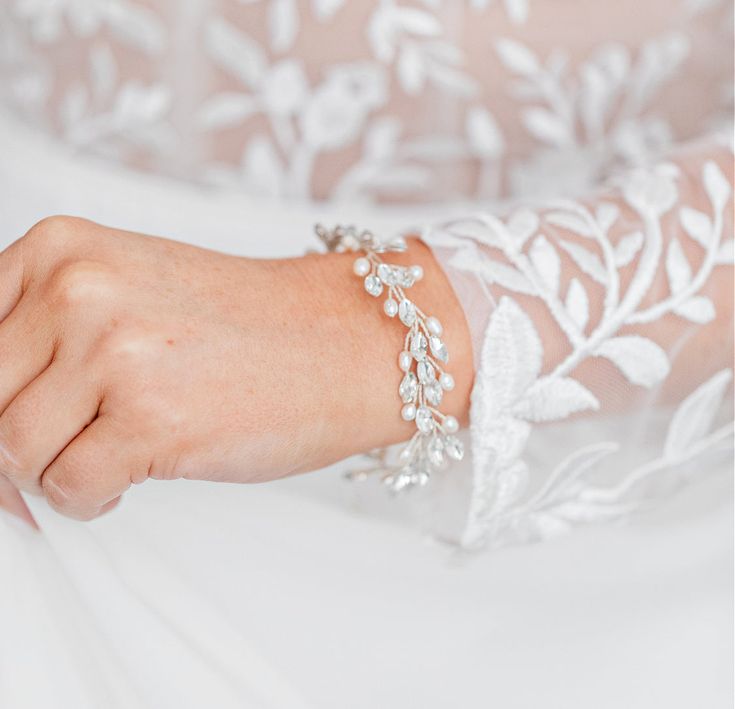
(422,358)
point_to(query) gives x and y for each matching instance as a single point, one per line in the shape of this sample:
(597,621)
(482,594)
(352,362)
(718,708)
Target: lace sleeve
(603,339)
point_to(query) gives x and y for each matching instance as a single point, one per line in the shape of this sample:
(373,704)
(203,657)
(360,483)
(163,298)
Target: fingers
(12,502)
(42,420)
(11,278)
(93,470)
(26,348)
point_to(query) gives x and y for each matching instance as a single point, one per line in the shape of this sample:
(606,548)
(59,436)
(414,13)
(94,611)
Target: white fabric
(317,603)
(196,595)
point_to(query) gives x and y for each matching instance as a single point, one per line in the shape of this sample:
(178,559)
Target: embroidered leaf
(283,22)
(411,69)
(517,10)
(510,483)
(511,355)
(627,248)
(589,263)
(716,184)
(726,253)
(606,215)
(262,167)
(552,399)
(577,304)
(226,109)
(521,225)
(641,360)
(507,277)
(547,126)
(417,21)
(569,221)
(546,262)
(697,225)
(677,267)
(694,416)
(324,9)
(698,309)
(517,57)
(483,133)
(562,479)
(235,51)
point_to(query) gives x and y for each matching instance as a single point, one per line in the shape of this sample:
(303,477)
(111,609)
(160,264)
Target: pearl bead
(408,412)
(434,326)
(446,381)
(391,308)
(450,424)
(417,272)
(405,360)
(361,267)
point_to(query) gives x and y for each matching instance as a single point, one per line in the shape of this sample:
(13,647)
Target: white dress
(569,163)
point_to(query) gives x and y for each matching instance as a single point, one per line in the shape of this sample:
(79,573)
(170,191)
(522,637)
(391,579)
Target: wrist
(352,362)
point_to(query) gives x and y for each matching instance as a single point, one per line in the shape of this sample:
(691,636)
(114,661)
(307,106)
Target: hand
(126,357)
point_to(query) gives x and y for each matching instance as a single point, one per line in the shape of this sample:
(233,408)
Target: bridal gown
(570,164)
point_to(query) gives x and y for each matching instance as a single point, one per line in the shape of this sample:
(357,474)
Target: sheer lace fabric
(600,304)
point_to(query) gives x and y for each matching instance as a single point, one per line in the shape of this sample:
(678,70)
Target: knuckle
(58,229)
(128,343)
(79,282)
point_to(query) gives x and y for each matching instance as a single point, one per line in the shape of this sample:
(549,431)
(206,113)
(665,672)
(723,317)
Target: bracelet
(422,358)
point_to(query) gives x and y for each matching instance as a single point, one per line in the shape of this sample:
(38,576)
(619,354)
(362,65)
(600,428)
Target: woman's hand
(126,357)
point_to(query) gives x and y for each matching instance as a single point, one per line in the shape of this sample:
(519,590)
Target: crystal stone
(409,388)
(438,349)
(435,451)
(433,393)
(387,274)
(426,372)
(373,286)
(452,445)
(424,420)
(406,278)
(406,312)
(419,347)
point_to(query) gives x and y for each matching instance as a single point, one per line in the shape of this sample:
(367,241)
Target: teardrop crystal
(426,373)
(438,349)
(373,286)
(409,388)
(424,420)
(433,393)
(419,347)
(387,274)
(407,312)
(453,447)
(435,451)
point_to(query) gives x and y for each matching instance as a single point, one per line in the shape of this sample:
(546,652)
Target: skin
(127,357)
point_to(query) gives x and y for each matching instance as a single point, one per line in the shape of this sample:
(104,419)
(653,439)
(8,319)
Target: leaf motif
(511,356)
(678,269)
(411,69)
(694,417)
(726,253)
(698,308)
(547,127)
(577,304)
(517,57)
(235,52)
(627,248)
(283,22)
(418,22)
(697,225)
(103,69)
(546,262)
(586,260)
(324,9)
(564,476)
(641,360)
(553,399)
(226,109)
(521,226)
(716,184)
(606,214)
(452,80)
(483,133)
(569,221)
(494,272)
(262,167)
(517,10)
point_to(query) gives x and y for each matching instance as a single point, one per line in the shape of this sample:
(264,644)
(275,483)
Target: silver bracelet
(422,358)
